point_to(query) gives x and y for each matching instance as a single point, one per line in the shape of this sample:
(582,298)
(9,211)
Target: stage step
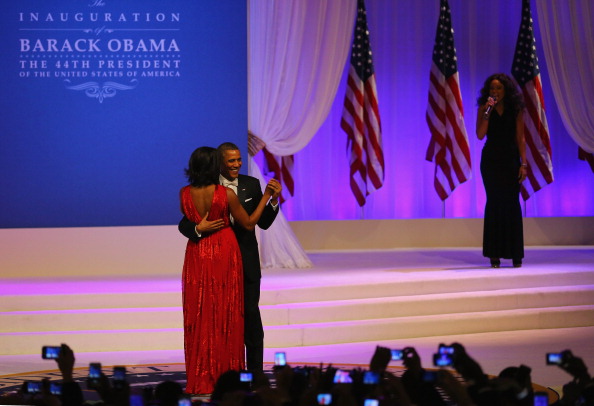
(427,326)
(126,293)
(330,310)
(313,334)
(432,282)
(304,313)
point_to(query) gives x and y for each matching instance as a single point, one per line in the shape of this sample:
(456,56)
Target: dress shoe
(517,263)
(495,262)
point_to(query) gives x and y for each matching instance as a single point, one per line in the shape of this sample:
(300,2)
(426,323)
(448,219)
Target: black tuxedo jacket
(249,194)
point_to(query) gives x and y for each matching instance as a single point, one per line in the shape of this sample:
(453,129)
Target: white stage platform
(123,305)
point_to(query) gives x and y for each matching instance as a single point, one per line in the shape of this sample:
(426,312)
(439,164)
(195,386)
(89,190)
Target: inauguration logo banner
(98,49)
(103,101)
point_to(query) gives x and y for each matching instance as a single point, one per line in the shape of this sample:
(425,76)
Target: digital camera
(55,388)
(94,375)
(33,387)
(119,377)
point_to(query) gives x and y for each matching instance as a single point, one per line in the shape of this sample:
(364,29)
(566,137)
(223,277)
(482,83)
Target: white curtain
(567,32)
(297,50)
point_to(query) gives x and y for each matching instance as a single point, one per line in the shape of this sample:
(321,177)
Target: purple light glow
(402,35)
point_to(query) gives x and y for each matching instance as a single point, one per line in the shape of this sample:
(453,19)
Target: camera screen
(245,376)
(442,360)
(541,399)
(371,402)
(397,355)
(370,378)
(55,388)
(342,377)
(184,402)
(48,352)
(136,400)
(445,349)
(119,373)
(94,370)
(33,387)
(280,359)
(554,358)
(324,399)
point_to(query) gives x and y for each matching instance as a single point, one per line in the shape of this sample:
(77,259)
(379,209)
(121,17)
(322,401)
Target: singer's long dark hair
(513,99)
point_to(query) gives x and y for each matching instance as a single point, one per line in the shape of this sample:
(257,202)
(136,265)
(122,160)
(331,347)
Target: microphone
(489,108)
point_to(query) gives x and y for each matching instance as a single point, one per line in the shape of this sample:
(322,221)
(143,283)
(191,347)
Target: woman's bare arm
(249,221)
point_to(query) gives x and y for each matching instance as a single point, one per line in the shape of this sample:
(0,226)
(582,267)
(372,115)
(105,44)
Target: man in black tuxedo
(249,193)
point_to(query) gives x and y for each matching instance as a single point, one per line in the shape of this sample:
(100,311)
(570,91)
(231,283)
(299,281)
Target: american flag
(360,115)
(281,167)
(536,130)
(448,147)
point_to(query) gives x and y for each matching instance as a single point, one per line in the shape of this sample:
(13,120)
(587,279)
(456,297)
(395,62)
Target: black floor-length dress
(503,234)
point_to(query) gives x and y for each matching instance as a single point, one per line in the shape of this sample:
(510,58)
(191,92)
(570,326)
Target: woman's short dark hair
(513,98)
(203,167)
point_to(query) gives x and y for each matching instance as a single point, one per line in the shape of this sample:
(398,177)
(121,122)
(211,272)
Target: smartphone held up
(50,352)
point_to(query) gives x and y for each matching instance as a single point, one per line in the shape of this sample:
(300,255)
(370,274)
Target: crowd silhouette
(455,379)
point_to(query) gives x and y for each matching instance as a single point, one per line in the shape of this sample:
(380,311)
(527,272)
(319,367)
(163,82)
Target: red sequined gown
(212,299)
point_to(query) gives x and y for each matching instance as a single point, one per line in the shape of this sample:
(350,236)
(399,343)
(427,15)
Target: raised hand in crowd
(579,391)
(380,359)
(466,366)
(71,392)
(454,388)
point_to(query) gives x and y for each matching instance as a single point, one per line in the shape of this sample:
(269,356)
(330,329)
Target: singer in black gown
(503,168)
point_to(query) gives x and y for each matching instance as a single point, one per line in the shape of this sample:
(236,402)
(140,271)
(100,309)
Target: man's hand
(574,366)
(65,362)
(207,226)
(412,361)
(380,359)
(467,366)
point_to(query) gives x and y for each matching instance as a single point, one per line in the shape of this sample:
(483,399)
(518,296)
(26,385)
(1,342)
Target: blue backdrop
(104,101)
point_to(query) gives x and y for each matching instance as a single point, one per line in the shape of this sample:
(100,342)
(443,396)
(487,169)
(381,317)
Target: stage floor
(411,268)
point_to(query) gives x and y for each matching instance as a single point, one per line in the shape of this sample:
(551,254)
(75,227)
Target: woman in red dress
(213,275)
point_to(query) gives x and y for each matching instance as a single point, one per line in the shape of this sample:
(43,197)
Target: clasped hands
(273,188)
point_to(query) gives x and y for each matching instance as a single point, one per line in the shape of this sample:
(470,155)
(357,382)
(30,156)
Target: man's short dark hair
(227,146)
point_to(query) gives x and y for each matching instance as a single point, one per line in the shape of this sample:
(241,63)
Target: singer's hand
(522,174)
(491,102)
